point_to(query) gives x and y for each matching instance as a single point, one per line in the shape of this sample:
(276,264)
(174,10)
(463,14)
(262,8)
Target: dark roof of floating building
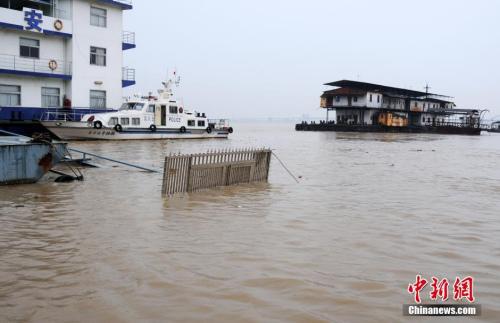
(395,91)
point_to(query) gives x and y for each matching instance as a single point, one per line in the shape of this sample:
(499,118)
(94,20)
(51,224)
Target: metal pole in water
(114,160)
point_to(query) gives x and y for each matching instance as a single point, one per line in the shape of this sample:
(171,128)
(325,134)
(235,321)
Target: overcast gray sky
(270,58)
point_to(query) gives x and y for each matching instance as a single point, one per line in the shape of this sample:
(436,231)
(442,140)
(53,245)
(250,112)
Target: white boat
(150,117)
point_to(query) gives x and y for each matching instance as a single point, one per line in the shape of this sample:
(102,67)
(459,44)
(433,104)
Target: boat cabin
(146,112)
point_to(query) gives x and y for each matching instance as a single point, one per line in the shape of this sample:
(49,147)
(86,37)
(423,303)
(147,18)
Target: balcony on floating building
(128,76)
(51,68)
(128,40)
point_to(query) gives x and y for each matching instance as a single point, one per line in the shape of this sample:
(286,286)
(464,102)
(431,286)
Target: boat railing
(219,123)
(69,114)
(64,115)
(451,124)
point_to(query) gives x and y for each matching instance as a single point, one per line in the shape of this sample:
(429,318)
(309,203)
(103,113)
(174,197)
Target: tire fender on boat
(182,129)
(118,128)
(152,128)
(209,129)
(98,124)
(230,130)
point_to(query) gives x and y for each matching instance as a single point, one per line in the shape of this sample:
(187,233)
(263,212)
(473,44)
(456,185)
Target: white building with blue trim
(62,54)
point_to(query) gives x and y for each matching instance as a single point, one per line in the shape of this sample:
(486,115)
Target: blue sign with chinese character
(34,19)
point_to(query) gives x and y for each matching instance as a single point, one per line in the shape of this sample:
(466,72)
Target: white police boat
(150,117)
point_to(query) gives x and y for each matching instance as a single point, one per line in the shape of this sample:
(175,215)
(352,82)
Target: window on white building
(10,95)
(98,17)
(355,99)
(98,56)
(201,123)
(125,121)
(97,99)
(50,97)
(29,47)
(136,121)
(151,108)
(172,109)
(371,97)
(191,123)
(337,98)
(378,98)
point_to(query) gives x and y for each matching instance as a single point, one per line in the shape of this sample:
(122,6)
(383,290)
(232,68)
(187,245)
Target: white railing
(61,14)
(24,64)
(219,123)
(128,37)
(71,115)
(128,74)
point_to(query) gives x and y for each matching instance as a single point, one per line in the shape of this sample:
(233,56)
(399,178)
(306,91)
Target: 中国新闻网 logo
(460,290)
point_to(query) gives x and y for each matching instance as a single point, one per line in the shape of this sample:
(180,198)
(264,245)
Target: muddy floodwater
(370,212)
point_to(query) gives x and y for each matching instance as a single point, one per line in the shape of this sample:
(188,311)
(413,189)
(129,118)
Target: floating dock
(23,161)
(442,129)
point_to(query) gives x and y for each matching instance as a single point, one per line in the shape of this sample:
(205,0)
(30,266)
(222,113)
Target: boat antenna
(177,79)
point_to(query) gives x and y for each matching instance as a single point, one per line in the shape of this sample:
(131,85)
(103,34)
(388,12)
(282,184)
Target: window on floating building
(51,97)
(151,108)
(136,121)
(125,121)
(416,104)
(378,98)
(191,123)
(355,99)
(10,95)
(98,17)
(371,97)
(113,121)
(337,98)
(201,123)
(29,48)
(98,56)
(172,109)
(97,99)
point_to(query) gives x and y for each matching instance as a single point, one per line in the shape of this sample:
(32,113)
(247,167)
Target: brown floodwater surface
(371,211)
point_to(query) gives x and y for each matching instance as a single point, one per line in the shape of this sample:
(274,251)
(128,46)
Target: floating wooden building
(361,106)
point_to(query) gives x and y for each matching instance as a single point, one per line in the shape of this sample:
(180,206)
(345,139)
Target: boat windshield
(132,106)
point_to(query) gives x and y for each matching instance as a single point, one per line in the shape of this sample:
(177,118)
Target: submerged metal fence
(189,173)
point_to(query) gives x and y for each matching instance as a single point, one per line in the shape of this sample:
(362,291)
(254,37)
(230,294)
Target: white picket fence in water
(189,173)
